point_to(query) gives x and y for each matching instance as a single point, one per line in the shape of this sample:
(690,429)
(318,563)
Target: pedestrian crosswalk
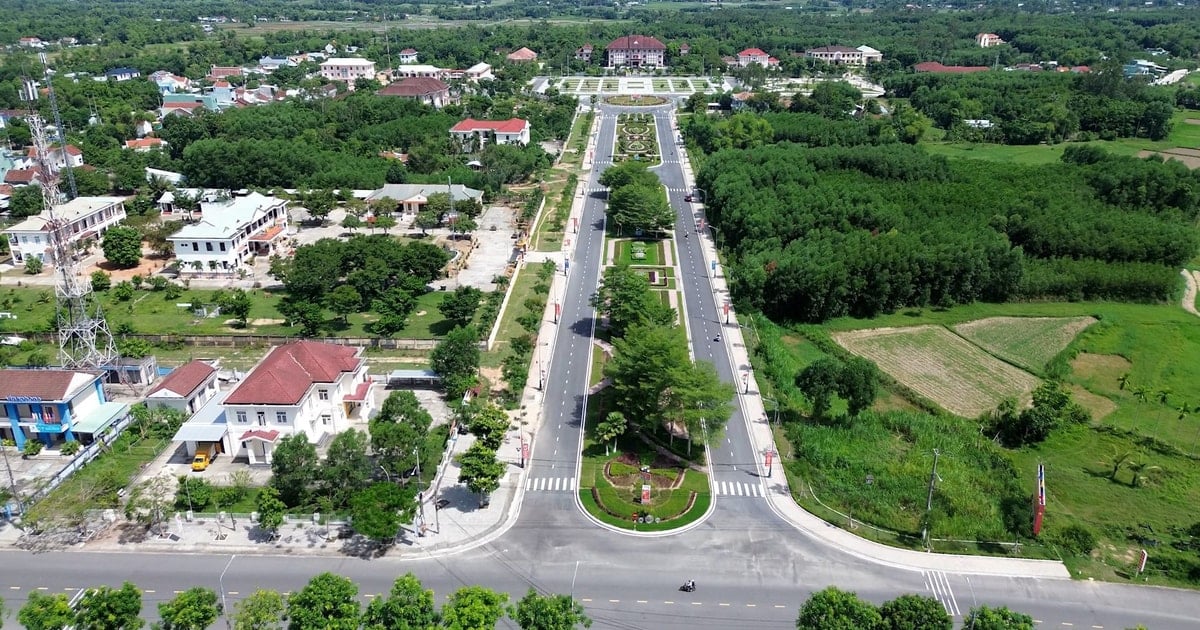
(550,484)
(938,583)
(737,489)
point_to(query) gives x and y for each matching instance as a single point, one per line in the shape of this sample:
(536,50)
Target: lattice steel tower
(84,340)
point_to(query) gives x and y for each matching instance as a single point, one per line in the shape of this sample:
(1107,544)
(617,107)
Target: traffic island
(635,100)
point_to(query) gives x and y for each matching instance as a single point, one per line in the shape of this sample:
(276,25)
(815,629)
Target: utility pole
(933,476)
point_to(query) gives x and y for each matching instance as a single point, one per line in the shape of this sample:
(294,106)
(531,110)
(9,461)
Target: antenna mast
(58,127)
(84,340)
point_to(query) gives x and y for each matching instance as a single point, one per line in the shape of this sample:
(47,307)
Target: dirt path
(1189,293)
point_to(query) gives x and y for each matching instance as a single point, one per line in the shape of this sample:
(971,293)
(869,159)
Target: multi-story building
(845,55)
(636,51)
(306,387)
(55,406)
(59,158)
(430,91)
(348,69)
(86,218)
(187,388)
(987,40)
(473,134)
(584,53)
(755,56)
(408,55)
(230,232)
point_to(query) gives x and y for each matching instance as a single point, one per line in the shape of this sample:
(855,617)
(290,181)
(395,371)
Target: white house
(55,406)
(479,72)
(187,388)
(85,218)
(230,232)
(305,387)
(756,56)
(59,158)
(410,198)
(987,40)
(845,55)
(408,55)
(472,134)
(420,70)
(348,69)
(123,73)
(636,51)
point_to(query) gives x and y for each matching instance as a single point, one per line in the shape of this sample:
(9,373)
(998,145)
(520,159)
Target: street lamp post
(221,585)
(776,404)
(421,494)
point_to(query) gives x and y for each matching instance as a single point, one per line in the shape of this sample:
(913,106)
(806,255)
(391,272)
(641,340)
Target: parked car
(687,198)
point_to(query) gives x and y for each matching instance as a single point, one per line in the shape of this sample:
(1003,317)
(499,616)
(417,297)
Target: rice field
(1026,342)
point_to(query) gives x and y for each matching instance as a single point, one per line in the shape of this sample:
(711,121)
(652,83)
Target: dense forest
(815,233)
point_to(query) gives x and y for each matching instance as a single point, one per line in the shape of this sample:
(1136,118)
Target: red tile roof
(288,371)
(414,86)
(512,125)
(360,392)
(408,51)
(21,176)
(752,52)
(258,434)
(636,42)
(522,54)
(144,143)
(45,384)
(934,66)
(5,189)
(185,379)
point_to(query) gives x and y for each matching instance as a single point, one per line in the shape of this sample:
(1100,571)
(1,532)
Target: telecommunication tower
(84,340)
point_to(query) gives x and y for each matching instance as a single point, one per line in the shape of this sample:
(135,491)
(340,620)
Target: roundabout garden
(637,138)
(635,100)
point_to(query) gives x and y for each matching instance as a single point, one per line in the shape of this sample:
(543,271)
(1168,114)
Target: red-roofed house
(756,56)
(58,158)
(521,55)
(303,387)
(55,406)
(186,388)
(145,145)
(22,177)
(474,134)
(684,49)
(636,51)
(428,90)
(584,53)
(409,55)
(221,72)
(987,40)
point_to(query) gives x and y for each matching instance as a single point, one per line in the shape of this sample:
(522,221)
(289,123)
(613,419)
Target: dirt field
(1189,157)
(942,367)
(1027,342)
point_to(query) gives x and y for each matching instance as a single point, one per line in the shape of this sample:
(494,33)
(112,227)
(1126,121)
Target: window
(325,418)
(222,246)
(262,418)
(322,394)
(281,417)
(195,246)
(208,246)
(241,417)
(48,415)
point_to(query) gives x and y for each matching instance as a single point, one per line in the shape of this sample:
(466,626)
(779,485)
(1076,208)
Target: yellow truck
(205,454)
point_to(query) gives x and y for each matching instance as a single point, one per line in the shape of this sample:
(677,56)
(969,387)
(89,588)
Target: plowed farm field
(941,366)
(1027,342)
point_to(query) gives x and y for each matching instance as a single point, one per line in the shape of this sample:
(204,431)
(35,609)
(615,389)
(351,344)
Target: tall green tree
(915,612)
(610,429)
(625,300)
(819,383)
(473,608)
(236,302)
(262,610)
(270,510)
(379,510)
(549,612)
(986,618)
(858,384)
(480,470)
(489,423)
(26,201)
(46,612)
(343,301)
(108,608)
(123,246)
(645,208)
(294,468)
(835,609)
(456,360)
(194,609)
(408,606)
(327,602)
(459,307)
(346,468)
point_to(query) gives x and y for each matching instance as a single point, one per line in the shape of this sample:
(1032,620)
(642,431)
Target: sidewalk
(779,495)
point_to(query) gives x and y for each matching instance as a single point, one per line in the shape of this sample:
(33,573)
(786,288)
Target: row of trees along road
(327,602)
(654,381)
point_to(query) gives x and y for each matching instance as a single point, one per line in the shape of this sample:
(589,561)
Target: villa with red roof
(305,387)
(473,134)
(145,145)
(409,55)
(186,388)
(636,51)
(752,56)
(522,54)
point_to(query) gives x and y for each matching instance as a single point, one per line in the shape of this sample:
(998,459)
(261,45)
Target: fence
(242,341)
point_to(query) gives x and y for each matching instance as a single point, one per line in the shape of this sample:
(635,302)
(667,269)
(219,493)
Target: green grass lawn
(1155,345)
(522,290)
(151,313)
(1182,134)
(652,252)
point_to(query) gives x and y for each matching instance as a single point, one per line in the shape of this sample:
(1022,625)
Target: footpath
(778,492)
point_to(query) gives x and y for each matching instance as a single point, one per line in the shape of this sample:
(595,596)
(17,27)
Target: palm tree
(1140,393)
(1122,380)
(1164,395)
(1117,462)
(1143,472)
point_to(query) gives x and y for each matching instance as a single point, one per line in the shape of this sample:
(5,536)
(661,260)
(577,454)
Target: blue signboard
(23,399)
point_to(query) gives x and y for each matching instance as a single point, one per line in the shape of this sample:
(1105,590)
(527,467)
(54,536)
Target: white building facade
(347,69)
(86,218)
(229,233)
